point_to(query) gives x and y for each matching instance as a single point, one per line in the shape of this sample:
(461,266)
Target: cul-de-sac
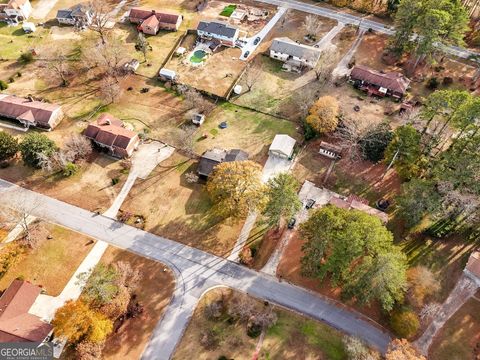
(240,179)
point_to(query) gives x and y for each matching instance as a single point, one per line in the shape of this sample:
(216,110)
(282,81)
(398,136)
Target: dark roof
(331,147)
(16,324)
(74,11)
(394,81)
(218,28)
(213,157)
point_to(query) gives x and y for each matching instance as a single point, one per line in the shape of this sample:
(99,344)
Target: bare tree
(196,100)
(241,307)
(108,57)
(53,163)
(55,63)
(77,147)
(25,205)
(127,275)
(350,132)
(186,138)
(312,25)
(142,45)
(100,18)
(110,90)
(325,65)
(251,76)
(303,100)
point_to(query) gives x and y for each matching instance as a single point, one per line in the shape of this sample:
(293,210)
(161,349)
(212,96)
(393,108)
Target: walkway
(326,41)
(196,272)
(342,67)
(356,20)
(19,228)
(274,165)
(250,46)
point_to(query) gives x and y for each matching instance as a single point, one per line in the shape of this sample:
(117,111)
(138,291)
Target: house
(16,324)
(109,133)
(282,146)
(151,21)
(358,203)
(15,11)
(213,157)
(472,270)
(30,112)
(329,150)
(79,15)
(219,31)
(373,82)
(295,57)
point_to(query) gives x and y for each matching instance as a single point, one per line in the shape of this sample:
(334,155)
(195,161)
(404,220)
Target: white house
(15,11)
(79,15)
(295,56)
(223,33)
(282,146)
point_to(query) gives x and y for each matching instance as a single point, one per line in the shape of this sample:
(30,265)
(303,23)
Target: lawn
(15,42)
(292,337)
(459,338)
(154,292)
(228,10)
(53,262)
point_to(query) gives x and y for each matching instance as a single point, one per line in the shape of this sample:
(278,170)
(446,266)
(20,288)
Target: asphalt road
(196,272)
(356,20)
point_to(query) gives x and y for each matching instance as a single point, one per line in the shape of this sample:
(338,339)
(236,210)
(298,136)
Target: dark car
(309,204)
(257,40)
(246,54)
(291,223)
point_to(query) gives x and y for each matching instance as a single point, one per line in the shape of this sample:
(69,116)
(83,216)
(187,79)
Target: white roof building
(282,145)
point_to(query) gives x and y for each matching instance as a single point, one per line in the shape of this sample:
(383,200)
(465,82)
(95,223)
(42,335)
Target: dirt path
(342,67)
(464,289)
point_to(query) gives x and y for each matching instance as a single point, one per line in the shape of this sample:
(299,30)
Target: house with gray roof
(295,57)
(213,157)
(219,31)
(80,15)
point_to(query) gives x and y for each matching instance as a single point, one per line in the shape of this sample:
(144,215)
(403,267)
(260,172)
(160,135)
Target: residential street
(196,271)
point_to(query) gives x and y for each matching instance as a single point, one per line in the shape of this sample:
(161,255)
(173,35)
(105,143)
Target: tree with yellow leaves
(402,350)
(236,189)
(75,321)
(322,116)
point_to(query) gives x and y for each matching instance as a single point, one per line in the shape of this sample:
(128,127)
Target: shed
(198,119)
(180,51)
(28,27)
(329,150)
(132,65)
(282,146)
(167,75)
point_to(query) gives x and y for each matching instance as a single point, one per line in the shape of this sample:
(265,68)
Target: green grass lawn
(228,10)
(14,40)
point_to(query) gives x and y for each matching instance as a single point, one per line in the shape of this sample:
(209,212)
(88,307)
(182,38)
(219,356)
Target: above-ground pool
(198,56)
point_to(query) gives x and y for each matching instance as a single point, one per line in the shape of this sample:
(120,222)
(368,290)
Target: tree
(8,146)
(251,76)
(325,65)
(374,143)
(323,115)
(405,323)
(3,85)
(118,306)
(241,307)
(283,200)
(77,147)
(356,251)
(75,321)
(312,25)
(422,283)
(127,276)
(87,350)
(195,100)
(56,63)
(418,199)
(101,285)
(109,90)
(33,146)
(107,57)
(236,188)
(404,151)
(357,350)
(101,17)
(142,45)
(401,349)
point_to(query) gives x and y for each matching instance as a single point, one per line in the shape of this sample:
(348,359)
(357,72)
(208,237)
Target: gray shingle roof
(287,46)
(217,28)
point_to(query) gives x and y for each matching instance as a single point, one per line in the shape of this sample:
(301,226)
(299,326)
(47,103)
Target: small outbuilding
(282,146)
(198,119)
(28,27)
(329,150)
(213,157)
(132,65)
(167,75)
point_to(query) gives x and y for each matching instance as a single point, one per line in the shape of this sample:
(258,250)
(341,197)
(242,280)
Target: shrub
(405,323)
(208,339)
(214,310)
(69,169)
(254,330)
(33,146)
(115,181)
(246,257)
(26,57)
(8,146)
(11,79)
(19,74)
(432,84)
(447,80)
(3,85)
(309,132)
(9,255)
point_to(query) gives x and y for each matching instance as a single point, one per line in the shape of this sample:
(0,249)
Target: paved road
(355,20)
(196,271)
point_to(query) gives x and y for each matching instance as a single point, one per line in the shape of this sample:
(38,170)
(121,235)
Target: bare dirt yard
(53,261)
(292,337)
(154,292)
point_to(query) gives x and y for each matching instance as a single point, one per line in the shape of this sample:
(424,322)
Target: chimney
(153,11)
(30,99)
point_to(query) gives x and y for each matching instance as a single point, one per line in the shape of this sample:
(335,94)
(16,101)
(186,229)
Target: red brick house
(109,133)
(16,324)
(151,21)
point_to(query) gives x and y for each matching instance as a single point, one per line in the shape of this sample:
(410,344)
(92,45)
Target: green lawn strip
(228,10)
(325,338)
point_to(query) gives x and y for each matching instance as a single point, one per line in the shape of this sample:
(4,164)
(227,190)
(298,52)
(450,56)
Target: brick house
(151,22)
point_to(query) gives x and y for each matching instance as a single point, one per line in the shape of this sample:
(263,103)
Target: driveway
(196,272)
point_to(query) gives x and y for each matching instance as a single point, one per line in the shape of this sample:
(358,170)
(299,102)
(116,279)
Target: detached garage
(282,146)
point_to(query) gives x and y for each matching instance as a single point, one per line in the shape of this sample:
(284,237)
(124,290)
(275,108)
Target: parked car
(291,223)
(246,54)
(309,204)
(257,40)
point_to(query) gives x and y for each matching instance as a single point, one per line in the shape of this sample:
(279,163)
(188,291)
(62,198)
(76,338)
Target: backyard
(292,337)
